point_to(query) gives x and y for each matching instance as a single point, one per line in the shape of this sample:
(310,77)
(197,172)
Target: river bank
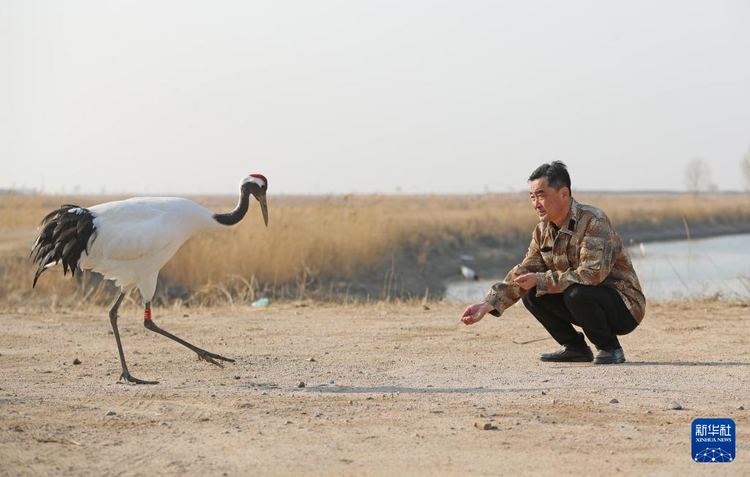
(408,274)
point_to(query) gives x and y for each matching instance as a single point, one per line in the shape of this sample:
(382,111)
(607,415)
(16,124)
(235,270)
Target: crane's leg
(113,319)
(202,354)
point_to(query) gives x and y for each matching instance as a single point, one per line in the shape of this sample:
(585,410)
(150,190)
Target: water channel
(674,270)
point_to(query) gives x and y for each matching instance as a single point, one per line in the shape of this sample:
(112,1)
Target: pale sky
(182,97)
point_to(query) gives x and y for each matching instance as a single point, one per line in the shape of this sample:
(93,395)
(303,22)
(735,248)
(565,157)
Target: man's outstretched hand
(475,312)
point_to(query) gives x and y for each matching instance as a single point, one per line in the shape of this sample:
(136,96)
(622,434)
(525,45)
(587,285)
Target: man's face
(550,205)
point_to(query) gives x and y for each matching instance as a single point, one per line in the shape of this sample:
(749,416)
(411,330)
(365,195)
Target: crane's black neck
(239,212)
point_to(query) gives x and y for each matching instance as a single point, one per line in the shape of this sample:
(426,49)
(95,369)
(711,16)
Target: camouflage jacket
(586,250)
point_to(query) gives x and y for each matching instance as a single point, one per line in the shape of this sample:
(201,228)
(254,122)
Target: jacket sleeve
(504,294)
(596,260)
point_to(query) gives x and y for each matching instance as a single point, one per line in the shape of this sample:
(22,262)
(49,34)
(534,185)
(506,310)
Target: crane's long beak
(264,208)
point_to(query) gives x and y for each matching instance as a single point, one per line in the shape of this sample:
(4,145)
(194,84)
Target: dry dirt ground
(389,390)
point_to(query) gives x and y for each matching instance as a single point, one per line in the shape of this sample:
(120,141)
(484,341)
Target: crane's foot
(211,357)
(127,377)
(202,353)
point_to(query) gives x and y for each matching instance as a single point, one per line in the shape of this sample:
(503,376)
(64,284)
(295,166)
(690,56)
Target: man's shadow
(657,363)
(684,363)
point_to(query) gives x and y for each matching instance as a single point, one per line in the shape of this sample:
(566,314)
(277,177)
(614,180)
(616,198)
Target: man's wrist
(491,309)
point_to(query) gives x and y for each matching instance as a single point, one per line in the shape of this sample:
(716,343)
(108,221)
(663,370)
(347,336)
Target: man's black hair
(556,173)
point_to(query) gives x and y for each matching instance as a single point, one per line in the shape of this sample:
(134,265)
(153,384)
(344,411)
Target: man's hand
(475,312)
(526,281)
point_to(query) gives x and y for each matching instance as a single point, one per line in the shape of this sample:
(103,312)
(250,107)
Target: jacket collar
(575,212)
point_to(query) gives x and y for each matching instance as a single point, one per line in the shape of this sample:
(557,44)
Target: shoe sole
(580,359)
(618,361)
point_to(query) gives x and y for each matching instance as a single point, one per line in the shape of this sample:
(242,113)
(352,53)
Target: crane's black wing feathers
(65,234)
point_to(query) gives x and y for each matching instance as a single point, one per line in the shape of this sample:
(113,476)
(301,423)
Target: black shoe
(610,357)
(580,353)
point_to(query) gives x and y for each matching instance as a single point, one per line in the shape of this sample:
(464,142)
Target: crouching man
(576,272)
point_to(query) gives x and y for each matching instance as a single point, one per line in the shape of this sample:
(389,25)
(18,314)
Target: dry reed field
(314,241)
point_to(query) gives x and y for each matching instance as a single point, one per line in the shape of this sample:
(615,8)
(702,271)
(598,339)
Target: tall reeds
(325,239)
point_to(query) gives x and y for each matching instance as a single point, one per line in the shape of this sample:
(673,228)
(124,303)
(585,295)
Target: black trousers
(598,310)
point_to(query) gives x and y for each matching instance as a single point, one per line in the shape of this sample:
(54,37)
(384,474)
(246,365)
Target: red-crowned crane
(129,241)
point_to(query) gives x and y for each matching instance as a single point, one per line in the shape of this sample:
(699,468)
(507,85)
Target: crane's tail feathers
(66,233)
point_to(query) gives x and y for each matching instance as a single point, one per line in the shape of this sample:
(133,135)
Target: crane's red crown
(260,176)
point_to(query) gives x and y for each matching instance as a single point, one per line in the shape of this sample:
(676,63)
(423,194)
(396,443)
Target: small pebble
(554,401)
(111,413)
(649,412)
(613,401)
(675,406)
(301,384)
(741,408)
(312,360)
(76,361)
(544,393)
(236,377)
(483,426)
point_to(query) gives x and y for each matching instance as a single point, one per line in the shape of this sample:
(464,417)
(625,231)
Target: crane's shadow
(409,390)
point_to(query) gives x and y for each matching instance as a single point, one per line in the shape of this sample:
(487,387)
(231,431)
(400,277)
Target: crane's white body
(135,238)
